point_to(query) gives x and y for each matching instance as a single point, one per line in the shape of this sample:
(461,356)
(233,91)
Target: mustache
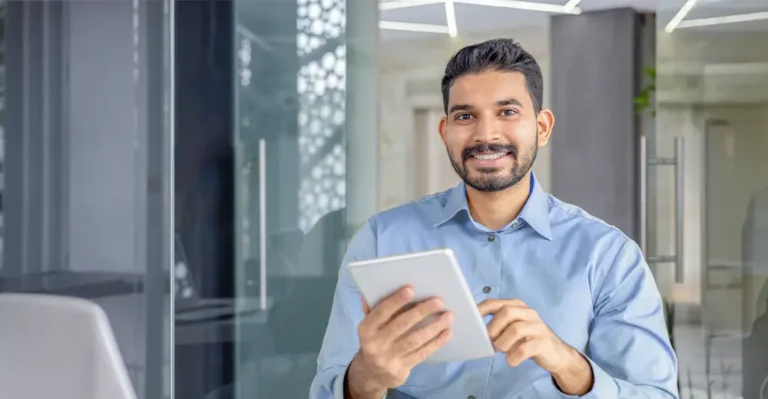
(494,147)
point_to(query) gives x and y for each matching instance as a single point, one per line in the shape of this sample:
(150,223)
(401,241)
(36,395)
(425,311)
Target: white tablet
(431,274)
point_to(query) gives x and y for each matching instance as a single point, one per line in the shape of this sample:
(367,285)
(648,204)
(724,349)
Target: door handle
(678,162)
(263,224)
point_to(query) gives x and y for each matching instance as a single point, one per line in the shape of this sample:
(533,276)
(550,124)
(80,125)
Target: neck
(498,209)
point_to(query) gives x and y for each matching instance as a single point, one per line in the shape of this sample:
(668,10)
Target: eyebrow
(501,103)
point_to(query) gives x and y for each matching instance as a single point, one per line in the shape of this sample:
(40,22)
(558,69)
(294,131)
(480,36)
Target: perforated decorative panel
(321,86)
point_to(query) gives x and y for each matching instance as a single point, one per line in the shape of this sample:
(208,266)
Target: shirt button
(514,224)
(487,289)
(470,397)
(491,237)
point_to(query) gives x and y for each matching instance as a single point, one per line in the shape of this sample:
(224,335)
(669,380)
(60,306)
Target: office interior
(196,168)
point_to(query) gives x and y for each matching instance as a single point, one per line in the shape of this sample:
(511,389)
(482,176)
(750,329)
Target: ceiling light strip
(728,19)
(571,4)
(450,18)
(522,5)
(395,4)
(410,27)
(684,10)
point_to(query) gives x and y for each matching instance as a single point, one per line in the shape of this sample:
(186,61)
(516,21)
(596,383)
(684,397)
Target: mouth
(489,159)
(489,156)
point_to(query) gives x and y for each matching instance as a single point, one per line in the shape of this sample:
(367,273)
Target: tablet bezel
(422,271)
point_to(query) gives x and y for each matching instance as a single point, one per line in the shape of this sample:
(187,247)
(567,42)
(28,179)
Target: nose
(488,130)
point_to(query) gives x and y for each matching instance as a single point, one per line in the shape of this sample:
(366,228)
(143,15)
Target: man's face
(492,132)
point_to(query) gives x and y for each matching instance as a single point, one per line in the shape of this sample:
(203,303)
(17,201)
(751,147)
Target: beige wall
(411,163)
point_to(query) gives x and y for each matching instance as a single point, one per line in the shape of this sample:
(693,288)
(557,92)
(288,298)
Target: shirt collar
(535,212)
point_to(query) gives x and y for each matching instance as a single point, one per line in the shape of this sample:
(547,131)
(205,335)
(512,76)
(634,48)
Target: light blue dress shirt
(588,282)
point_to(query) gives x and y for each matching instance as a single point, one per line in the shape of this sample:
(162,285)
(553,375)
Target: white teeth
(489,157)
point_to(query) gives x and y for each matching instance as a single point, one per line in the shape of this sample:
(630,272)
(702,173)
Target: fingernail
(406,293)
(437,302)
(448,317)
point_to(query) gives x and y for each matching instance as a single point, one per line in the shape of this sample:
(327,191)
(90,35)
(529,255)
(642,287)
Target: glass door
(709,209)
(299,93)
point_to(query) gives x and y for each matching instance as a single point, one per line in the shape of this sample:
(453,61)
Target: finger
(506,316)
(384,310)
(491,306)
(522,352)
(422,353)
(515,334)
(366,308)
(416,339)
(409,318)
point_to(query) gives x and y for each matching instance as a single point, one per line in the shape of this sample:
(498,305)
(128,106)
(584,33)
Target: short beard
(494,179)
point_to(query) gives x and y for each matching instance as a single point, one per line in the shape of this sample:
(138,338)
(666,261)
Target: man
(571,306)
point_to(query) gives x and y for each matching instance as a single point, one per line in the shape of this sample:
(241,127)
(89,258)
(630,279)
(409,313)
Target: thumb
(366,308)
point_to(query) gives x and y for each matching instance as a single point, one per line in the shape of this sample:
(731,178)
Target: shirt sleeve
(629,348)
(341,343)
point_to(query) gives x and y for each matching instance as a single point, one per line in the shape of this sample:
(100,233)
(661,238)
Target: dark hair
(498,55)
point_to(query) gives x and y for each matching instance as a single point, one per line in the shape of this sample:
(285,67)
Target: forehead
(487,88)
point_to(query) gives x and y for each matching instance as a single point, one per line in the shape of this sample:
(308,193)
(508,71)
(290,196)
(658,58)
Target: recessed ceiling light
(450,17)
(411,27)
(523,5)
(684,10)
(571,4)
(395,4)
(728,19)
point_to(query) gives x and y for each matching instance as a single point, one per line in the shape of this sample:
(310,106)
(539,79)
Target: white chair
(54,347)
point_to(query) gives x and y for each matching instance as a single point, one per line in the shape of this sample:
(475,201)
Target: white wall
(103,133)
(410,102)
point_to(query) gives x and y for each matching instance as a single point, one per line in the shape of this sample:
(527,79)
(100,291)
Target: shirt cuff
(603,386)
(338,385)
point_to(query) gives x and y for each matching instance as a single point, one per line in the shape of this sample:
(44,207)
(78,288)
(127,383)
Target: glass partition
(712,91)
(277,135)
(291,166)
(86,182)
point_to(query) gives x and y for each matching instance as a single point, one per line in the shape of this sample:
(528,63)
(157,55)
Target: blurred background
(197,167)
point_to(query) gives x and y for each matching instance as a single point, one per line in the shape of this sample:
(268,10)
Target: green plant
(644,99)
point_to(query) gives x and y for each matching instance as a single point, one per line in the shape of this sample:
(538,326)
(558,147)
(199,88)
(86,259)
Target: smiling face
(492,131)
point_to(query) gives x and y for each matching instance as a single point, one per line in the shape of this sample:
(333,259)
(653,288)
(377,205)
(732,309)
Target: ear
(442,127)
(545,122)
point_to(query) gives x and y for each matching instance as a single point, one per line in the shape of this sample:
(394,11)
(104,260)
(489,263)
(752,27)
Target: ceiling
(710,64)
(473,19)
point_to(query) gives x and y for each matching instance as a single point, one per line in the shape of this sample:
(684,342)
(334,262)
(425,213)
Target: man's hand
(518,331)
(390,348)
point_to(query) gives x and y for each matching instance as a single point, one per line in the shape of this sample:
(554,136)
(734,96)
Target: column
(595,73)
(362,132)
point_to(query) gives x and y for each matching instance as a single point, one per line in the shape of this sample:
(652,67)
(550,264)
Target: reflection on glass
(290,191)
(712,89)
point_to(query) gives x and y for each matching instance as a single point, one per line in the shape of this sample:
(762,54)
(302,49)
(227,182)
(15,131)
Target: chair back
(59,347)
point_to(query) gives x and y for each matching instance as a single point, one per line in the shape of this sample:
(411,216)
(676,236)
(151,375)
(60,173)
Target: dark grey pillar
(596,70)
(35,169)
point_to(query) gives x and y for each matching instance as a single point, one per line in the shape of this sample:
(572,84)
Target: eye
(508,112)
(463,117)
